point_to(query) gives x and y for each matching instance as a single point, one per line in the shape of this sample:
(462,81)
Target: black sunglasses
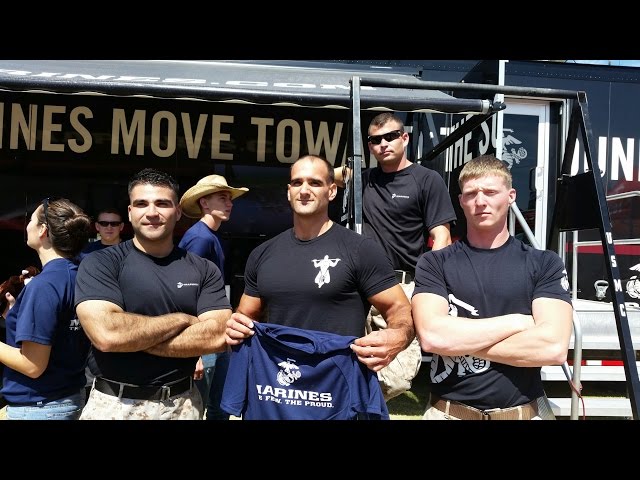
(104,223)
(389,137)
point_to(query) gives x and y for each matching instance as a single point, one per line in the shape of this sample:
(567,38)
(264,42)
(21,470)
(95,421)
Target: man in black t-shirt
(150,310)
(322,276)
(402,204)
(491,309)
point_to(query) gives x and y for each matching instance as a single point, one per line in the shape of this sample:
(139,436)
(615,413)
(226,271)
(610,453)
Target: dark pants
(212,383)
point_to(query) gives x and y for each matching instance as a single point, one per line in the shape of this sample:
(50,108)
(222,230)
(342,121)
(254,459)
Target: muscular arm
(110,329)
(441,236)
(546,343)
(240,325)
(443,334)
(380,347)
(30,360)
(206,336)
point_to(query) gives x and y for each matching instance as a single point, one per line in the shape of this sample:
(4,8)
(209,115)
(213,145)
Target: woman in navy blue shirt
(46,349)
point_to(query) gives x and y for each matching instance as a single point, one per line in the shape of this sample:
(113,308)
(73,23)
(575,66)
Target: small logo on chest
(324,264)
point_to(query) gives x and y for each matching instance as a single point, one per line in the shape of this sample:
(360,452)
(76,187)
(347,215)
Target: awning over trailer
(288,83)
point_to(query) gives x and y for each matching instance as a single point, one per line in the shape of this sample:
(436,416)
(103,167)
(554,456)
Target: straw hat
(206,186)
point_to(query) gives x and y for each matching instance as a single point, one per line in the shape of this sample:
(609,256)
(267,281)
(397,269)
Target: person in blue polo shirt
(46,349)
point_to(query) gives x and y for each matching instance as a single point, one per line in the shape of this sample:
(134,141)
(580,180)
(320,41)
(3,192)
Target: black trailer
(81,128)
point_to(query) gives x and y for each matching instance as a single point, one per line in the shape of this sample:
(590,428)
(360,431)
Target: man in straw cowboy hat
(210,200)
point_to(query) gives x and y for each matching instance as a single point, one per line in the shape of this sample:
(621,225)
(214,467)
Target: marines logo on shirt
(442,365)
(289,372)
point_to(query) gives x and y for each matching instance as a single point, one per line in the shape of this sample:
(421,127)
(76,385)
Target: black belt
(404,276)
(137,392)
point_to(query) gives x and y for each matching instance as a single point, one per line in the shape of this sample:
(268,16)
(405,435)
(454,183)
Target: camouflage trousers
(397,377)
(185,406)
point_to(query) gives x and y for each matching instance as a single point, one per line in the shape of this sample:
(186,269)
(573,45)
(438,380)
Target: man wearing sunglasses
(109,226)
(403,206)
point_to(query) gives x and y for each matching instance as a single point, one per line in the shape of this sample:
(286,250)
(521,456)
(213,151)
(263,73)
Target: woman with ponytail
(46,350)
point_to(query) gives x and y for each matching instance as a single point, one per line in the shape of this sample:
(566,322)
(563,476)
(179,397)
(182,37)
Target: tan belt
(465,412)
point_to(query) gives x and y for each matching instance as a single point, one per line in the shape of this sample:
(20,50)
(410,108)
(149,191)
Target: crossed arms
(111,329)
(514,339)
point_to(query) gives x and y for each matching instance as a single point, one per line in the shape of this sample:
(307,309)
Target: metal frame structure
(584,204)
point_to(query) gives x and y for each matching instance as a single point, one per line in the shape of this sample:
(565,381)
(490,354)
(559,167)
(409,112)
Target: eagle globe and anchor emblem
(289,372)
(509,154)
(633,285)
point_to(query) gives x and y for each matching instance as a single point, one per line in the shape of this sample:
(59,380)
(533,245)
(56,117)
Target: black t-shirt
(146,285)
(400,208)
(483,283)
(320,284)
